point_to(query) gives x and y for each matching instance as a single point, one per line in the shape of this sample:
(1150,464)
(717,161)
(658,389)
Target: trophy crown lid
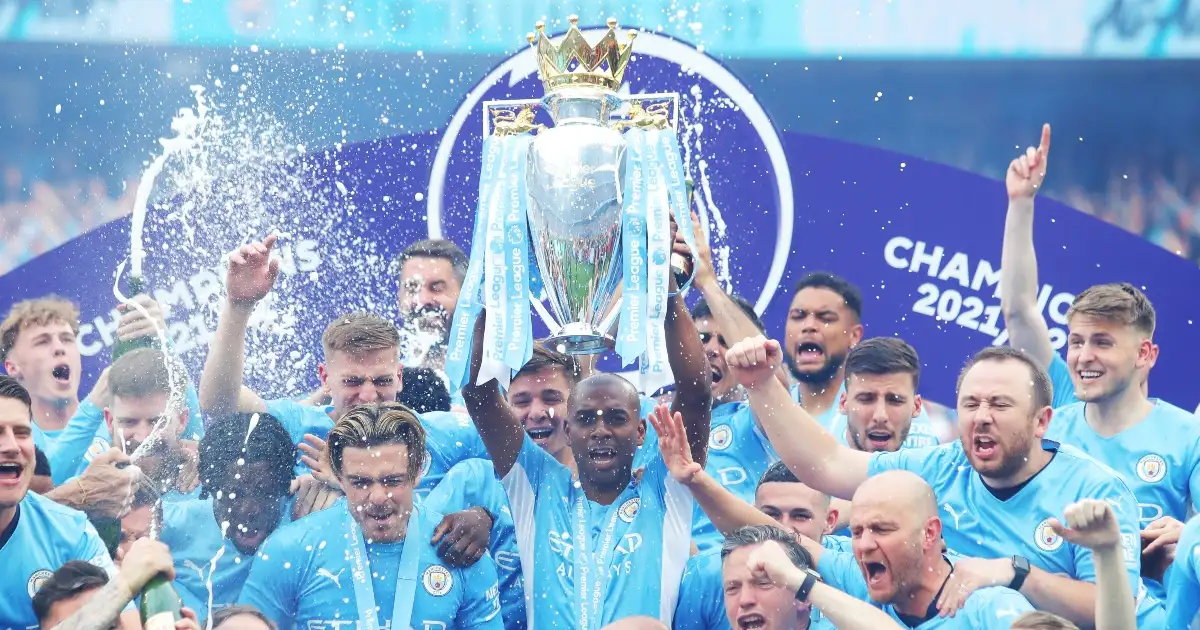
(602,65)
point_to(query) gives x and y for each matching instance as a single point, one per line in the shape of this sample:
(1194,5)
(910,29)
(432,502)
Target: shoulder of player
(446,425)
(43,511)
(1069,411)
(1177,419)
(1081,465)
(474,467)
(313,529)
(996,601)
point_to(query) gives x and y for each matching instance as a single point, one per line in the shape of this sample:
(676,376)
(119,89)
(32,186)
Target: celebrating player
(999,471)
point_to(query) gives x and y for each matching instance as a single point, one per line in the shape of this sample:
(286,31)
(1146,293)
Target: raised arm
(498,426)
(1092,524)
(689,365)
(812,454)
(734,324)
(1027,329)
(771,563)
(250,277)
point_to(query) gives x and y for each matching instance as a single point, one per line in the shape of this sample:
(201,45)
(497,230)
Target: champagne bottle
(135,285)
(110,532)
(160,607)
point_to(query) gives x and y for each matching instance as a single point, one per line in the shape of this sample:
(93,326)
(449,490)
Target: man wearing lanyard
(370,558)
(611,544)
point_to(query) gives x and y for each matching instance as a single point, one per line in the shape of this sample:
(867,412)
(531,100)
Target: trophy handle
(554,326)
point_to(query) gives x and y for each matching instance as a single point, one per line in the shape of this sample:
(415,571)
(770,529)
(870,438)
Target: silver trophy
(575,180)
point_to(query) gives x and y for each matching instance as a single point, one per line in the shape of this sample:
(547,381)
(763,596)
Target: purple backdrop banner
(922,240)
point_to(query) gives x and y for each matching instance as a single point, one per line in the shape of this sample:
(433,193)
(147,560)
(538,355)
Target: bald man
(898,561)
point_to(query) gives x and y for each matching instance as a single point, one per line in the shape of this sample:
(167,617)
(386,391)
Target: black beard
(821,377)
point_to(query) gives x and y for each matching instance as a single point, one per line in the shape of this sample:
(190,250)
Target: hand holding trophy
(578,216)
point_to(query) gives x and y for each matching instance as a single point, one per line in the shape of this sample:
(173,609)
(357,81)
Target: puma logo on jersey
(954,514)
(193,566)
(336,579)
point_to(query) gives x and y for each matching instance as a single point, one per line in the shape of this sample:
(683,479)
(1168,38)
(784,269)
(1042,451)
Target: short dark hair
(758,534)
(229,440)
(10,388)
(224,614)
(1043,389)
(837,284)
(702,309)
(884,355)
(544,358)
(778,473)
(433,248)
(68,581)
(41,466)
(424,391)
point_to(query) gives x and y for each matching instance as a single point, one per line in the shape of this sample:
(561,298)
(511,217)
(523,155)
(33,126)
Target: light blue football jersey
(738,455)
(1159,457)
(473,483)
(702,593)
(191,531)
(303,578)
(45,537)
(825,419)
(991,608)
(637,546)
(977,524)
(1183,580)
(86,436)
(1060,380)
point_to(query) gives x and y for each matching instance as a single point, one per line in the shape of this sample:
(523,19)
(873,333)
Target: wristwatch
(1020,566)
(810,579)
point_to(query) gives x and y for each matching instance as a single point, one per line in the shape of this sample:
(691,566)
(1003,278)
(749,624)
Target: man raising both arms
(616,542)
(999,485)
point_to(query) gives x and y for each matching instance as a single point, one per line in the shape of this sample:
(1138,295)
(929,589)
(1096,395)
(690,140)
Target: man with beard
(246,470)
(144,420)
(431,273)
(370,558)
(617,542)
(39,348)
(37,536)
(824,322)
(898,560)
(879,408)
(361,366)
(1000,484)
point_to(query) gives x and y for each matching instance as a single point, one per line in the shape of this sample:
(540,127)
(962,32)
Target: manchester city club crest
(720,438)
(98,445)
(437,580)
(1151,468)
(1045,537)
(37,580)
(629,509)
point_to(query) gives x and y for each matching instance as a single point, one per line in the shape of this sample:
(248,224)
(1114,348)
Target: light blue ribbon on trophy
(631,328)
(406,575)
(672,163)
(658,245)
(462,329)
(503,293)
(519,342)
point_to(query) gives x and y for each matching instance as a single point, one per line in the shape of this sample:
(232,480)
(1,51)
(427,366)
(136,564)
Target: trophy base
(577,338)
